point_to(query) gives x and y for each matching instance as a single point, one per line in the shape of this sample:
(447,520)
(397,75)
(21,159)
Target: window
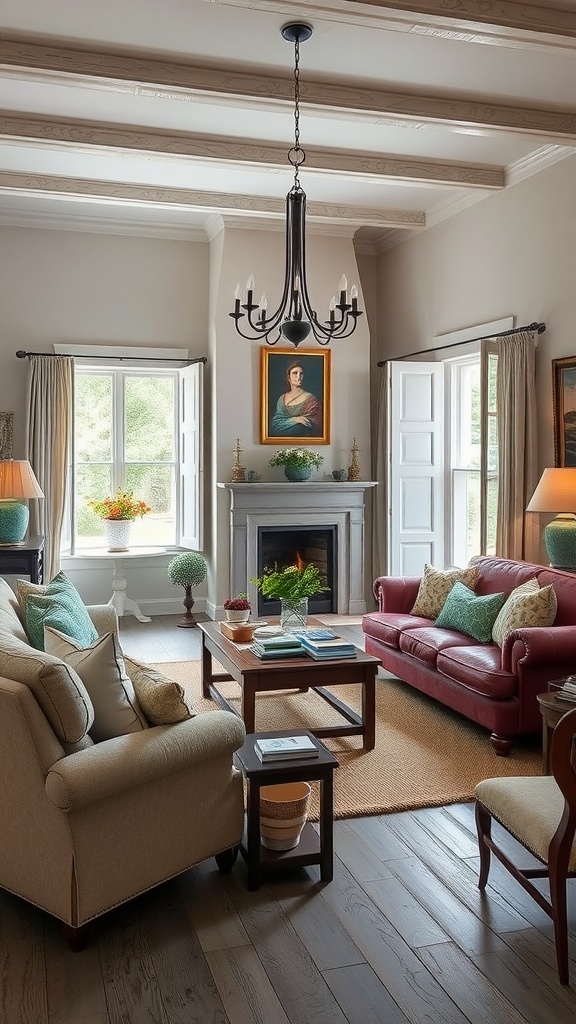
(139,430)
(474,450)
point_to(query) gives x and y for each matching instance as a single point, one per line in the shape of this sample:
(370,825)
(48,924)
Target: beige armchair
(87,826)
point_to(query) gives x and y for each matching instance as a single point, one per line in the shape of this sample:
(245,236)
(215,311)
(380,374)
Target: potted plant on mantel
(291,586)
(298,462)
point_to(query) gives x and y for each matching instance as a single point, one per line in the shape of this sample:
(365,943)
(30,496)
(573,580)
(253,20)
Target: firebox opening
(301,546)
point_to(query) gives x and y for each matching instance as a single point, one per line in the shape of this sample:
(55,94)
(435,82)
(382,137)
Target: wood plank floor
(402,934)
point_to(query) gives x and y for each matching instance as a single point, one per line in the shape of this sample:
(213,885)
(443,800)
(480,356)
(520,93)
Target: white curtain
(49,433)
(516,533)
(380,493)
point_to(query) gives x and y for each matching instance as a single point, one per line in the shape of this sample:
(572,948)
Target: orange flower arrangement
(122,506)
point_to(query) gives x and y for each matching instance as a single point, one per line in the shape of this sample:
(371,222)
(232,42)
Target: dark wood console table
(24,559)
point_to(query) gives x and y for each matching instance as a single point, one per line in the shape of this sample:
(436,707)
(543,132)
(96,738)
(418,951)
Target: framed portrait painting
(564,410)
(294,396)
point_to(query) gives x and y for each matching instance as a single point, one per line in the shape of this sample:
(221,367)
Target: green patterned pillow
(470,614)
(62,608)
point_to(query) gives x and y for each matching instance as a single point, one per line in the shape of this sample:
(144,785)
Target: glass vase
(293,614)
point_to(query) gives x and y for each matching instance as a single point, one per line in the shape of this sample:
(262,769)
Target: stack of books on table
(567,691)
(286,645)
(283,748)
(323,643)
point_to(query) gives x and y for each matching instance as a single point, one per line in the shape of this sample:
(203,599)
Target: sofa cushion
(162,699)
(473,615)
(477,667)
(62,608)
(101,669)
(537,608)
(498,630)
(387,627)
(435,586)
(425,643)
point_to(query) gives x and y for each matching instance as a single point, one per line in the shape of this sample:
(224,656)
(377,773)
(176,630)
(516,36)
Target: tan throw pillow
(435,586)
(101,669)
(25,587)
(162,699)
(535,608)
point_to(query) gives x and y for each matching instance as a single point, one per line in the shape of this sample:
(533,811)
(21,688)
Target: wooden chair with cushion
(540,813)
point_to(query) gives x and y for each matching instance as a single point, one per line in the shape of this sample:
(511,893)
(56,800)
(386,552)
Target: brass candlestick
(238,471)
(354,468)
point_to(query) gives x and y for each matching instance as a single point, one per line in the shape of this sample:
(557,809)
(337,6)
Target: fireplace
(283,546)
(332,509)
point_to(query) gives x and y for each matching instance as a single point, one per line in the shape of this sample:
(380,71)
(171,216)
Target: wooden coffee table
(256,676)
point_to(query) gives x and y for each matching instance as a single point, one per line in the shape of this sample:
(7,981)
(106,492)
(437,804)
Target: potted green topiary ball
(188,570)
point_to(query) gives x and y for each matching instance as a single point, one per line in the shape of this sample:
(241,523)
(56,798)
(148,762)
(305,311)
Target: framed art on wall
(294,396)
(564,410)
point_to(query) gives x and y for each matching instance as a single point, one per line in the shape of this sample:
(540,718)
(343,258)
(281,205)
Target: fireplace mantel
(313,503)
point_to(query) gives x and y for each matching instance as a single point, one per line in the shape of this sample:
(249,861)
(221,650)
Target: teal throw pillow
(466,611)
(62,608)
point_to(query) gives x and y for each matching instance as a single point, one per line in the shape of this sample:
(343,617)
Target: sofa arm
(124,762)
(396,593)
(536,645)
(104,617)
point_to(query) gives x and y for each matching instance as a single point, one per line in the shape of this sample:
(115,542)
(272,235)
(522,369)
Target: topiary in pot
(187,570)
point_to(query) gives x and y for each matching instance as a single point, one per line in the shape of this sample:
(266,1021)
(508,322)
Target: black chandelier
(295,317)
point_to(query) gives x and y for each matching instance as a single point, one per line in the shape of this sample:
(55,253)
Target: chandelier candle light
(295,317)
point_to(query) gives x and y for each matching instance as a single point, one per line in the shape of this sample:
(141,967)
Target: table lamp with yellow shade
(17,484)
(556,492)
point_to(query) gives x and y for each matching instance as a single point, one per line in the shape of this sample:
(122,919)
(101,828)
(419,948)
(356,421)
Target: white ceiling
(156,116)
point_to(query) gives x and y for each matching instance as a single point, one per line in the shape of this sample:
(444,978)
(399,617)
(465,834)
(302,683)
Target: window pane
(492,444)
(93,401)
(149,419)
(156,485)
(91,482)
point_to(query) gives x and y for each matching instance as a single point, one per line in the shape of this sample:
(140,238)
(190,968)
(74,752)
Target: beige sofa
(86,826)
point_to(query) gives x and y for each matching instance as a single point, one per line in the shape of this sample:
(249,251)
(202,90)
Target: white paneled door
(415,467)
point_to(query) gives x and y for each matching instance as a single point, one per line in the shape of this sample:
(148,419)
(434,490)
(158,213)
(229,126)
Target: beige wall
(511,254)
(63,286)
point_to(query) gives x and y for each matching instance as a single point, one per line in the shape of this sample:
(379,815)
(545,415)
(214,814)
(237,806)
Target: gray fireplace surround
(314,504)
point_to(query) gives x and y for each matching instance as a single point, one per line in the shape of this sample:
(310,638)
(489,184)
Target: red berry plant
(237,604)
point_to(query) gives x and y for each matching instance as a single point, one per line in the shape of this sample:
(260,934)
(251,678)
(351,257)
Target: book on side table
(282,748)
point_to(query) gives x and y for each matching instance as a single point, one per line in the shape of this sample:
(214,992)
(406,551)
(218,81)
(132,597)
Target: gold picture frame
(294,397)
(564,410)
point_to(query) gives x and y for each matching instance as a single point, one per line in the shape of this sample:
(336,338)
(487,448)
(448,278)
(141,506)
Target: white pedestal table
(120,600)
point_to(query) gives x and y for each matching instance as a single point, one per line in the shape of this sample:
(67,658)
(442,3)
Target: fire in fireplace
(282,546)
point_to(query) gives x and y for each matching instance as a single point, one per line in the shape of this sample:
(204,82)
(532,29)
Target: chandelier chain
(296,155)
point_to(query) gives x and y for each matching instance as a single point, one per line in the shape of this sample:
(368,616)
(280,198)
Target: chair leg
(484,828)
(557,880)
(75,937)
(227,859)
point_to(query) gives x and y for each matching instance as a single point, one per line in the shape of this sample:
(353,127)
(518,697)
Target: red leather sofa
(495,687)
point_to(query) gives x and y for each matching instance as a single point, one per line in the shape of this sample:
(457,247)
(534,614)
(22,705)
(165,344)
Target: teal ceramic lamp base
(14,518)
(560,539)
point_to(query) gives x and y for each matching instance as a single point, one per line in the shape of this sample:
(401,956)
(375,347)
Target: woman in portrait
(298,413)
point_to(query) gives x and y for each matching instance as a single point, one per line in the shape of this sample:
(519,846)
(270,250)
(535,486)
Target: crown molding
(101,226)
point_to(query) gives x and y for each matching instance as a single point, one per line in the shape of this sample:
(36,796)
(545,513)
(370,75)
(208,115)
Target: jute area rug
(425,754)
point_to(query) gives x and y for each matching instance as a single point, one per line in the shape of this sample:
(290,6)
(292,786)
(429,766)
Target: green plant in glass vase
(292,586)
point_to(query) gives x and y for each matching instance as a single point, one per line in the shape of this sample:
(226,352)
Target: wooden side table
(312,848)
(25,559)
(551,708)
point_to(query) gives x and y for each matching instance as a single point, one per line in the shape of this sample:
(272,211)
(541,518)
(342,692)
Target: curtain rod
(139,359)
(540,328)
